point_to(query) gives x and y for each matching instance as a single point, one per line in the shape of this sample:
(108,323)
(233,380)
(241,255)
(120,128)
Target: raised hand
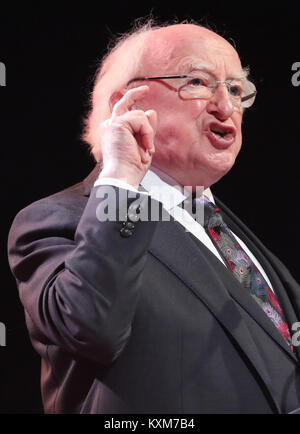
(127,139)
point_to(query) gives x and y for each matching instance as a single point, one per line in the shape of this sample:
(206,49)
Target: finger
(146,156)
(152,118)
(126,103)
(138,124)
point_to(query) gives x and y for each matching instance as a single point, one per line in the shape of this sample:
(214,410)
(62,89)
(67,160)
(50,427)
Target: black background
(51,53)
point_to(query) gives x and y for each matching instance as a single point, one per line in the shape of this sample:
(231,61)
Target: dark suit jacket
(149,323)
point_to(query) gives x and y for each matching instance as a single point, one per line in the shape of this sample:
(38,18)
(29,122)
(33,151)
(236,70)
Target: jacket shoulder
(56,215)
(69,201)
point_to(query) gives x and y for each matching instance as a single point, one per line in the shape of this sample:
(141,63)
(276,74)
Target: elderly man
(147,315)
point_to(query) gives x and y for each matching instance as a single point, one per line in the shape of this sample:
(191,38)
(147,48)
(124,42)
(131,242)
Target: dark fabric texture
(242,267)
(147,323)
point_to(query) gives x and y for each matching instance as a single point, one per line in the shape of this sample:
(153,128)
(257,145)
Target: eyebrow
(239,75)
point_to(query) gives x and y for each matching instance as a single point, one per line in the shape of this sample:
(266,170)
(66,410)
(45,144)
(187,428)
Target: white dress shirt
(165,189)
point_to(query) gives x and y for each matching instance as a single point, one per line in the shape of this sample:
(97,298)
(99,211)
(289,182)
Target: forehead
(186,46)
(214,55)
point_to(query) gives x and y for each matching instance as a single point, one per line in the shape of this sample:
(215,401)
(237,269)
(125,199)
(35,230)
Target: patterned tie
(242,266)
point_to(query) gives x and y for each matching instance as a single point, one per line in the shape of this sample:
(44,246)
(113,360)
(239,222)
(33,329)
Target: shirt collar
(166,190)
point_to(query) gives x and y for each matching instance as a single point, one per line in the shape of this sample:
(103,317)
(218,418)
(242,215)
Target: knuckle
(139,114)
(118,126)
(110,125)
(136,116)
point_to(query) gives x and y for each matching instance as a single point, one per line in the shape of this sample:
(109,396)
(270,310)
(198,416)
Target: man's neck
(166,178)
(162,187)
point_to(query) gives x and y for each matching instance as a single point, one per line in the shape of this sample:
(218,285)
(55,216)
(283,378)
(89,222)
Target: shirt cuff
(117,183)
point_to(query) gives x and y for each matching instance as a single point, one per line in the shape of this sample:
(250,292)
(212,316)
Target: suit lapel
(168,245)
(263,256)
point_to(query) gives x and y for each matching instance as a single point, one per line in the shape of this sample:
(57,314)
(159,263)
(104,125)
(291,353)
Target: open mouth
(219,133)
(221,136)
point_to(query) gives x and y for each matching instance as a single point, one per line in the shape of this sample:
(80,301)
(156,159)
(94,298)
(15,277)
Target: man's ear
(114,98)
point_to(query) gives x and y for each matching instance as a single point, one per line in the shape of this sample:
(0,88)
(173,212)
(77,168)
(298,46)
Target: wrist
(124,175)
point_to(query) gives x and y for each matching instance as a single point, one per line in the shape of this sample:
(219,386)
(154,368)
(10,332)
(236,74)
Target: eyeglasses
(242,92)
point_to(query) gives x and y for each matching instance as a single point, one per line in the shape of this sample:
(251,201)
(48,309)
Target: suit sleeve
(80,285)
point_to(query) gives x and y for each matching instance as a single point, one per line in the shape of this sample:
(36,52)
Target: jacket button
(128,225)
(126,232)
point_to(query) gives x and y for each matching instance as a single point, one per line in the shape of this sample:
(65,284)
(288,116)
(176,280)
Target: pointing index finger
(125,104)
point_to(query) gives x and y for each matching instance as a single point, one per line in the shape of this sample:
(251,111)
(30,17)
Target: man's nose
(220,104)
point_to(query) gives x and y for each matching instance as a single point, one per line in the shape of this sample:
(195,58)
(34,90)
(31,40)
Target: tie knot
(212,216)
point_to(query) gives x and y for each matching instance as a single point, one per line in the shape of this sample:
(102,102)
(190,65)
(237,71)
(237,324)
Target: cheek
(238,142)
(181,120)
(178,129)
(197,107)
(237,121)
(190,111)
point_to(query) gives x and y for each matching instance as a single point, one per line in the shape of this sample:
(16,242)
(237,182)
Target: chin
(210,172)
(223,164)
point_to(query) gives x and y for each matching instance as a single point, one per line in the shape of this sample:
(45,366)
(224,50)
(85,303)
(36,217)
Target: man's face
(186,146)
